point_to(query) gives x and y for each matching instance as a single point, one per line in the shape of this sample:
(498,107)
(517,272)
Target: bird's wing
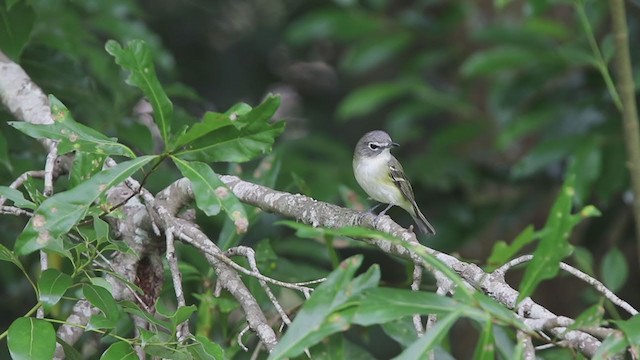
(400,179)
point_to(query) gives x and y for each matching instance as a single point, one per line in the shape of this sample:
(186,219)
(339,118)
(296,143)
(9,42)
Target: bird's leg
(385,210)
(375,207)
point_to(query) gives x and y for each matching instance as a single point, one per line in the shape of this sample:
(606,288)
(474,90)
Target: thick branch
(22,97)
(318,213)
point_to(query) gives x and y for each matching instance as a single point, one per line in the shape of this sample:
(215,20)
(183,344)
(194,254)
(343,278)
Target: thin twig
(240,268)
(240,335)
(176,277)
(577,273)
(250,255)
(48,168)
(12,210)
(415,286)
(36,174)
(529,351)
(48,191)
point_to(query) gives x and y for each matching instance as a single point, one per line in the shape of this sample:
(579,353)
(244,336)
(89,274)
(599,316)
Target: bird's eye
(373,146)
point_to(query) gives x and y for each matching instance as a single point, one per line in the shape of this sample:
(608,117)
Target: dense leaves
(59,213)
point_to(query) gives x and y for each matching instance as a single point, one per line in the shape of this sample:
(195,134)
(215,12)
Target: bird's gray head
(373,143)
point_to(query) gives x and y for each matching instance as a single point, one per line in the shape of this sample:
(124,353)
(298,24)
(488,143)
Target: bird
(381,176)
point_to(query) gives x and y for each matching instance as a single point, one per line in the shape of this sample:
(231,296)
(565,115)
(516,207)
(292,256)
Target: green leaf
(504,342)
(311,232)
(134,309)
(381,305)
(502,252)
(338,346)
(203,348)
(17,197)
(85,165)
(210,122)
(577,56)
(332,23)
(612,345)
(101,228)
(162,350)
(70,353)
(100,322)
(4,154)
(179,316)
(315,320)
(592,317)
(252,135)
(59,213)
(103,300)
(631,330)
(8,255)
(212,194)
(583,259)
(525,124)
(120,350)
(586,164)
(614,269)
(16,23)
(554,241)
(373,51)
(424,345)
(238,109)
(365,100)
(31,339)
(498,59)
(52,285)
(485,349)
(544,154)
(401,330)
(137,59)
(72,136)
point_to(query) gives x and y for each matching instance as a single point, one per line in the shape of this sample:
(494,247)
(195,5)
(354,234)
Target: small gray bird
(381,176)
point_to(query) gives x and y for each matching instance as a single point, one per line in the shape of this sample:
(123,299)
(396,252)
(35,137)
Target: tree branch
(317,213)
(626,88)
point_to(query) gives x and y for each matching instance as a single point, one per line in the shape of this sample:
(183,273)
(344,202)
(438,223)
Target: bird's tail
(424,225)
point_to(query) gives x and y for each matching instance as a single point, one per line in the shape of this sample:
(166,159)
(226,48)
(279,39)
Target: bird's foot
(383,212)
(373,208)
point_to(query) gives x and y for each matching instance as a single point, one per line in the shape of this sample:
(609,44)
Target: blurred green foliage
(494,102)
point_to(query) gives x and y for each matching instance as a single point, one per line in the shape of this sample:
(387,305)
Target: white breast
(372,173)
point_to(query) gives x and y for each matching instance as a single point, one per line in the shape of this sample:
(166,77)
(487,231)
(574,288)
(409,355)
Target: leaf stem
(600,62)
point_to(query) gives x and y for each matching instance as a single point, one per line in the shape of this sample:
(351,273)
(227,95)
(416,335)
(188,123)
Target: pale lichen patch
(43,237)
(240,221)
(39,221)
(222,192)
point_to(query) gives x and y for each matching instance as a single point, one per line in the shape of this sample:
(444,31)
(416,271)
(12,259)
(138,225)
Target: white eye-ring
(373,146)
